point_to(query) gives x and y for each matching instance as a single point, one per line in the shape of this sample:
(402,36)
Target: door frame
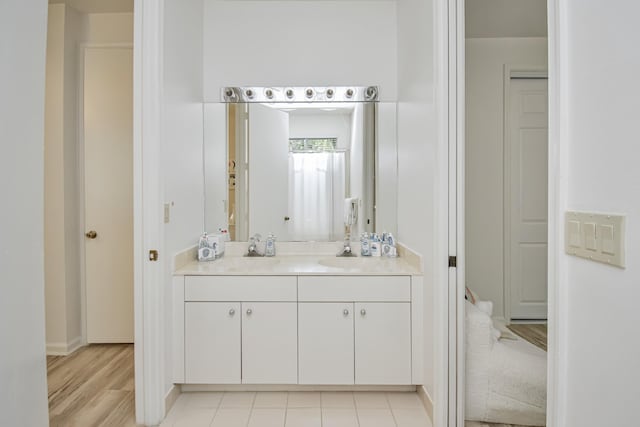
(149,304)
(80,164)
(510,72)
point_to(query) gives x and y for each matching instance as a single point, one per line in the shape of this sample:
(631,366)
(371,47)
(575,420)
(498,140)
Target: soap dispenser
(270,246)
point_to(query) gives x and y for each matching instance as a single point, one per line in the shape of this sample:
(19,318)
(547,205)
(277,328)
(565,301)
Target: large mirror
(300,170)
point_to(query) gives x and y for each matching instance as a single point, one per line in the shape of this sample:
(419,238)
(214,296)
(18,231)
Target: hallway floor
(297,409)
(92,387)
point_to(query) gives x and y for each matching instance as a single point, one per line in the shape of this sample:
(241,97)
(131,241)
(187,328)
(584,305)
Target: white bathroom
(300,226)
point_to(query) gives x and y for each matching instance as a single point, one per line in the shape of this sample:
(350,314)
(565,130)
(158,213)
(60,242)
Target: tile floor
(297,409)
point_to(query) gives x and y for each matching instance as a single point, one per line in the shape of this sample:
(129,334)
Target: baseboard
(426,401)
(64,349)
(170,398)
(275,387)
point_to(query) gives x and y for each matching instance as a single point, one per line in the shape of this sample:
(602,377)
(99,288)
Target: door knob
(249,311)
(232,312)
(91,234)
(363,312)
(286,218)
(345,312)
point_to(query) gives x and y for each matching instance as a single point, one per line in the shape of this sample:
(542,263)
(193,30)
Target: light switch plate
(596,236)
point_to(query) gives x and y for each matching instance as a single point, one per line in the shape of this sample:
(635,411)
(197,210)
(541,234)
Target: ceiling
(98,6)
(505,18)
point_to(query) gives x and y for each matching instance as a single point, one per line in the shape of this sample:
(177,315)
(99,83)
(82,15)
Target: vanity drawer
(240,288)
(354,288)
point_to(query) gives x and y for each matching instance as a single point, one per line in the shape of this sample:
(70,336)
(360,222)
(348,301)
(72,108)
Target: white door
(212,342)
(108,176)
(383,343)
(268,171)
(325,343)
(527,165)
(269,343)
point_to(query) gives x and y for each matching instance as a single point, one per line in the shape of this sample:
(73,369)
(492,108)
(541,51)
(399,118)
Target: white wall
(599,170)
(23,394)
(278,43)
(62,263)
(485,60)
(182,139)
(108,27)
(417,151)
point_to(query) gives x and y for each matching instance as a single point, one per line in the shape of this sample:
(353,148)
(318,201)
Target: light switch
(574,234)
(167,213)
(590,236)
(608,239)
(596,236)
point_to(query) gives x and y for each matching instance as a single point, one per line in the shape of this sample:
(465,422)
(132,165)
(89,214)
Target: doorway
(90,98)
(505,208)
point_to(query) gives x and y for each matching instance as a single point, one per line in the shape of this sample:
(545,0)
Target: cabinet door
(269,343)
(383,343)
(212,342)
(325,343)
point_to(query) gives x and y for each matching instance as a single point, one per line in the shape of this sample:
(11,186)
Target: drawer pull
(363,312)
(232,312)
(249,311)
(345,312)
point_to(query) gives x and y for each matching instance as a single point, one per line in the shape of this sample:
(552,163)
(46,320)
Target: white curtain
(316,195)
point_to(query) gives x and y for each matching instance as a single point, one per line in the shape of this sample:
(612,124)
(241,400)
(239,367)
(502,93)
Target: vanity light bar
(234,94)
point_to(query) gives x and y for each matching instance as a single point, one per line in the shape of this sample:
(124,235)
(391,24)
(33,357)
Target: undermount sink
(249,262)
(337,262)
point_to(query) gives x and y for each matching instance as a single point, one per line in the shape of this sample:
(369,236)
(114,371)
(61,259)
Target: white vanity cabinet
(212,342)
(382,343)
(269,343)
(240,330)
(325,343)
(354,330)
(296,329)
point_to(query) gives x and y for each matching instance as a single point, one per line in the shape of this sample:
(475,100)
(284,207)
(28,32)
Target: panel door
(528,147)
(325,345)
(212,342)
(382,343)
(268,171)
(108,192)
(269,343)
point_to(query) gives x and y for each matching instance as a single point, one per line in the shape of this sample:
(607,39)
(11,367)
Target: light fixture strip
(246,94)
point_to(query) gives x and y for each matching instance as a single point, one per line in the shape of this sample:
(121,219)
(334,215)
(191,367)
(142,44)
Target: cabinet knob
(345,312)
(363,312)
(249,311)
(232,312)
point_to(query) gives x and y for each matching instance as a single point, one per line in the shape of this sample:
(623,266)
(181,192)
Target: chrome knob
(345,312)
(91,234)
(329,93)
(249,311)
(349,93)
(363,312)
(232,312)
(289,93)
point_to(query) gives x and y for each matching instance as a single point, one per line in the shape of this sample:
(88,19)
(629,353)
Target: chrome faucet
(252,250)
(346,248)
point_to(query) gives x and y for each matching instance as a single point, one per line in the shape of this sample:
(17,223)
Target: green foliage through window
(312,144)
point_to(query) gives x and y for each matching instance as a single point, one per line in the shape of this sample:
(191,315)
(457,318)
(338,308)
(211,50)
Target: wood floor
(535,333)
(92,387)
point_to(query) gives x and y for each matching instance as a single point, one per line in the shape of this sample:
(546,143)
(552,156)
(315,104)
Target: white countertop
(304,265)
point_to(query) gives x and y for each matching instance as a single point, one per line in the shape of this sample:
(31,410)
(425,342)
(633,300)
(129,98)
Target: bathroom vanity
(310,319)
